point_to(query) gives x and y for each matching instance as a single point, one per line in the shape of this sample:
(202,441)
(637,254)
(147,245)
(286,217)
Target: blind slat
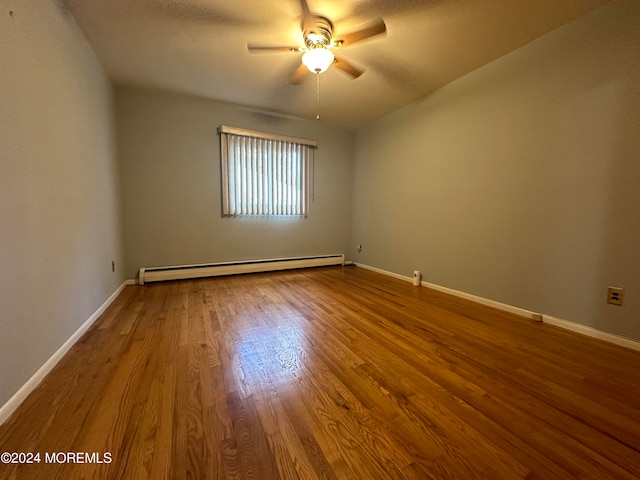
(264,176)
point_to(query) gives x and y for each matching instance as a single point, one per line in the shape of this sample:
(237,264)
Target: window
(264,174)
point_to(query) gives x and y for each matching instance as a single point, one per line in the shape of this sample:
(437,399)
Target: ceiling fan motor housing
(318,32)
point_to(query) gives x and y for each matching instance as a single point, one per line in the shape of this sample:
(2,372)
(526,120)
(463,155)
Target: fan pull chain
(317,96)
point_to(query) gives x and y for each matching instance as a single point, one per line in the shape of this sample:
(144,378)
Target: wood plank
(329,373)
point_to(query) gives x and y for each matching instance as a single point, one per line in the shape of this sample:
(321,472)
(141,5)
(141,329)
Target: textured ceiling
(200,47)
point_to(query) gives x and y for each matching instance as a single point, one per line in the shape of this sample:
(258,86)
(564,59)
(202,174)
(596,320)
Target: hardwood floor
(330,373)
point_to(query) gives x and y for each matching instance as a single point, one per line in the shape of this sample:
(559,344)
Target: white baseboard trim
(383,272)
(521,312)
(592,332)
(14,402)
(558,322)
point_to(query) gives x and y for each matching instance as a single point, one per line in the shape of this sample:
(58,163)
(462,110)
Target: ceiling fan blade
(270,49)
(348,68)
(299,75)
(376,27)
(306,13)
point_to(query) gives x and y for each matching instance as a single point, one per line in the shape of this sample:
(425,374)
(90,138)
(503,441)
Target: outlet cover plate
(615,295)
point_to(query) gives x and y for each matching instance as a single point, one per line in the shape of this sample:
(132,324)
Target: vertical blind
(264,174)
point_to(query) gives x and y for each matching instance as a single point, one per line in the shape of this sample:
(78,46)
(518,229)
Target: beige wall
(521,181)
(170,162)
(59,208)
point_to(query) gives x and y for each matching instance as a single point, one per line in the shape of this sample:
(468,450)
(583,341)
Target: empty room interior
(320,239)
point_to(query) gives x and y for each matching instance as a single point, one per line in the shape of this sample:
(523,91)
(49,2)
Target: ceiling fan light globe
(317,60)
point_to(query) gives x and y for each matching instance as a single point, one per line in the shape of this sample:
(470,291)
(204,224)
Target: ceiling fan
(319,45)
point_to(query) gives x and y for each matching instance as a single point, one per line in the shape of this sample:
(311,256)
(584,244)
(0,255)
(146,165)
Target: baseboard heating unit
(180,272)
